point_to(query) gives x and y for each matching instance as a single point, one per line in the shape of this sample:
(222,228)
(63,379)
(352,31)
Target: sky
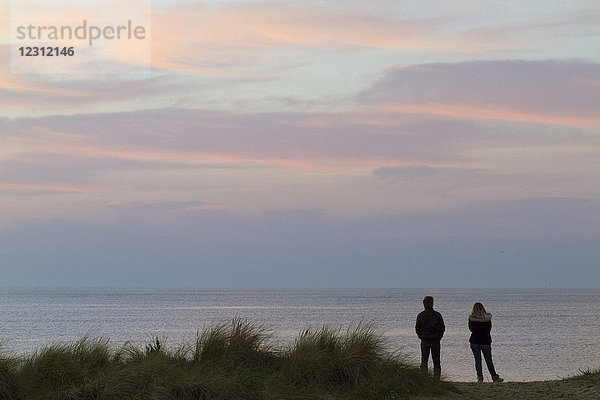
(313,144)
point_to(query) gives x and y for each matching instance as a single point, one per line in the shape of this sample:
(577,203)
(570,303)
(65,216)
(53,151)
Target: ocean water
(537,334)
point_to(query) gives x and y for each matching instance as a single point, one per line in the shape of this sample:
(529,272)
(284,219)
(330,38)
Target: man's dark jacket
(430,325)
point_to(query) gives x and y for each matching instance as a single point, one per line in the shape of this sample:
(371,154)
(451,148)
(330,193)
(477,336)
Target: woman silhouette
(480,325)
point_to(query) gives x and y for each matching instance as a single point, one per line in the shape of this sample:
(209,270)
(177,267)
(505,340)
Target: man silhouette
(430,329)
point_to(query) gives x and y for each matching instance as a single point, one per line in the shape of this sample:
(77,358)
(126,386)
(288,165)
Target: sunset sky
(311,144)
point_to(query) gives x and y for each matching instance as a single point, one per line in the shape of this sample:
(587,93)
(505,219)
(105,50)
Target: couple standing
(430,329)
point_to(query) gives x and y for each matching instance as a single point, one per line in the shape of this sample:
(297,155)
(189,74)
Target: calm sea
(537,334)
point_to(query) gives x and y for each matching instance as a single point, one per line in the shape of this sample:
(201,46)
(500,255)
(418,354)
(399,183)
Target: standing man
(430,329)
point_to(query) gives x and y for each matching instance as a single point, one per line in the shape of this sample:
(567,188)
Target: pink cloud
(475,112)
(196,38)
(23,92)
(37,145)
(45,187)
(167,206)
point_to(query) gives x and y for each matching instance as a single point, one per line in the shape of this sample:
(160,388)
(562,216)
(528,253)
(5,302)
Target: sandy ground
(567,389)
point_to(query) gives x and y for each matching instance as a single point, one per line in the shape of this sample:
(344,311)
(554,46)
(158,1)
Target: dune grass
(590,376)
(235,360)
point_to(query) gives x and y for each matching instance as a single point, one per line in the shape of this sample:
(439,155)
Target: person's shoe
(479,379)
(497,378)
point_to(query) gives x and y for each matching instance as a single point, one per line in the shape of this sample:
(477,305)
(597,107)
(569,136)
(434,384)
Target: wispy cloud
(579,23)
(550,92)
(474,112)
(71,94)
(213,39)
(25,189)
(166,206)
(351,141)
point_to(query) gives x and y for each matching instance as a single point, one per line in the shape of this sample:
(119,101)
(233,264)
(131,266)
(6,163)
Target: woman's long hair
(478,309)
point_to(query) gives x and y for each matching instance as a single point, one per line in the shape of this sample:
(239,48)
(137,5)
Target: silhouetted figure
(480,325)
(430,329)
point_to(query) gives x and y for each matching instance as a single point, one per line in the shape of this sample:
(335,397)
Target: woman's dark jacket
(480,326)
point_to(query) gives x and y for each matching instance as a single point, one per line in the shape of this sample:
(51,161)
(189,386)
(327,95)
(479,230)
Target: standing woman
(480,325)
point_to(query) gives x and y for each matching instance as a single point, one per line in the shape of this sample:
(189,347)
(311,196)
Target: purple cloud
(545,86)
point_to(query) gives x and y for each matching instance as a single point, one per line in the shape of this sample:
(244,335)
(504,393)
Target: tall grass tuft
(363,353)
(314,358)
(237,344)
(9,386)
(60,367)
(328,356)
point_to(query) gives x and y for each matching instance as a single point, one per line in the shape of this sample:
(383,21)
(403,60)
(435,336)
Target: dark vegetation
(588,376)
(229,361)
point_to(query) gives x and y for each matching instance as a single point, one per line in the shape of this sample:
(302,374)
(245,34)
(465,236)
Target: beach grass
(234,360)
(591,376)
